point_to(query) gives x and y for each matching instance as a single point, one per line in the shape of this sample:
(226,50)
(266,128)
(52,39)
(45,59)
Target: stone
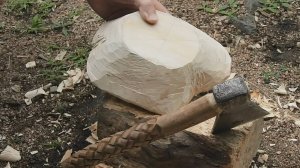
(159,67)
(245,23)
(251,5)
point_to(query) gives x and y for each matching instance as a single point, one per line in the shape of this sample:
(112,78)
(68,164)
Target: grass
(273,73)
(19,7)
(54,71)
(273,6)
(64,24)
(228,8)
(37,25)
(53,144)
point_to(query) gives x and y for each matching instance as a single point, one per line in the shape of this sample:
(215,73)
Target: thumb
(148,13)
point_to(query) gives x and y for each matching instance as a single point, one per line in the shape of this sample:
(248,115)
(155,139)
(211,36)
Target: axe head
(234,99)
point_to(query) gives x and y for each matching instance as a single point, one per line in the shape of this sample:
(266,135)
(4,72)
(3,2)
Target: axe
(229,102)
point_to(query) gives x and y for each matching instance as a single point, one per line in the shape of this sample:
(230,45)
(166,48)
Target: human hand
(112,9)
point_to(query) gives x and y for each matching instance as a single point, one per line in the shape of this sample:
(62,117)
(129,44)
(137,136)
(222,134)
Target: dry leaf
(61,55)
(66,155)
(281,90)
(10,154)
(30,64)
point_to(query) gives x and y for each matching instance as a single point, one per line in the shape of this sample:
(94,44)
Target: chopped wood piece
(160,67)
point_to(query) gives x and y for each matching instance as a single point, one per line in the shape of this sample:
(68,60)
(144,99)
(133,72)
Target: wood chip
(10,154)
(93,128)
(27,101)
(278,102)
(16,88)
(102,165)
(293,106)
(61,55)
(293,140)
(263,158)
(30,64)
(91,140)
(232,75)
(34,93)
(67,154)
(34,152)
(293,89)
(281,90)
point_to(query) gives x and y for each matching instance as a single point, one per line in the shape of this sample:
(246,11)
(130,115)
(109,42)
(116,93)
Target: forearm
(111,9)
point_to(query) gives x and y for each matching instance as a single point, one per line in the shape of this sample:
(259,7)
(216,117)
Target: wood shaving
(67,154)
(281,90)
(10,154)
(61,55)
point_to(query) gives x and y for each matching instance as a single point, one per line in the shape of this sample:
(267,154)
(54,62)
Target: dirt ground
(54,123)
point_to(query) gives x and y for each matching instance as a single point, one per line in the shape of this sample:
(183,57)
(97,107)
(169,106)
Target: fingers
(148,9)
(148,12)
(160,7)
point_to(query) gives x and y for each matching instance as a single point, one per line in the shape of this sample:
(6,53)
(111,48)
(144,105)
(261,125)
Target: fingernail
(153,17)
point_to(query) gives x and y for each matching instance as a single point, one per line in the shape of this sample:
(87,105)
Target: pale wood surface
(161,67)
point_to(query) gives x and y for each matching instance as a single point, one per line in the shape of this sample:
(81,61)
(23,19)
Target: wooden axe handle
(144,133)
(195,112)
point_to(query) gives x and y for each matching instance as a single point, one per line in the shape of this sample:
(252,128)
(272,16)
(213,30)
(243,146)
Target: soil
(44,127)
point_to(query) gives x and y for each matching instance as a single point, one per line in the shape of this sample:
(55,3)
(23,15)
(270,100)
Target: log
(159,68)
(195,147)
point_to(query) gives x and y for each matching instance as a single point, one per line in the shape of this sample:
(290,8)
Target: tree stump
(194,147)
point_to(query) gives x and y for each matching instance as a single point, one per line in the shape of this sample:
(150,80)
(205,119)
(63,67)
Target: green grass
(30,7)
(37,25)
(54,71)
(19,7)
(228,8)
(53,145)
(45,7)
(273,73)
(273,6)
(65,23)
